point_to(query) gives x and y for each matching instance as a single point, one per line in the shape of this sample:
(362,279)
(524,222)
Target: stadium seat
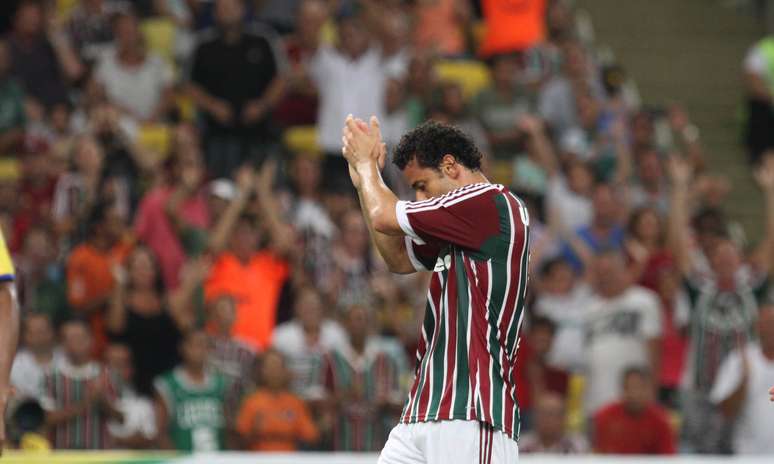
(471,75)
(159,36)
(64,8)
(156,138)
(301,139)
(9,169)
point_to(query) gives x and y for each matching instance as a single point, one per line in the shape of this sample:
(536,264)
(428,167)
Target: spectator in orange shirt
(636,424)
(440,26)
(512,26)
(90,265)
(273,418)
(254,276)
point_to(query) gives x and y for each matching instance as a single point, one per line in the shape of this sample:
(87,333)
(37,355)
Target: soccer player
(474,236)
(9,331)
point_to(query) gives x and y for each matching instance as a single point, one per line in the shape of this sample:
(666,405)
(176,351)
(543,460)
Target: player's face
(427,182)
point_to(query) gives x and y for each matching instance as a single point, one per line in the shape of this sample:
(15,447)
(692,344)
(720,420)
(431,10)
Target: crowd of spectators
(195,274)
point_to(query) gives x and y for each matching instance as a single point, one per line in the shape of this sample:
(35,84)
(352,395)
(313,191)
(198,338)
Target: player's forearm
(9,335)
(392,248)
(377,200)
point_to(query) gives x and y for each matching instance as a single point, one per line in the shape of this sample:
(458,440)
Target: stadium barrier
(11,457)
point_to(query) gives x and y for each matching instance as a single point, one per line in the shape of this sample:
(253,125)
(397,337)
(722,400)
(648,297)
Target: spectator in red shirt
(636,424)
(536,375)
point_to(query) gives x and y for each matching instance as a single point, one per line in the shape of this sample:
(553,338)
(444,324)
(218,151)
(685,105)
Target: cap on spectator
(223,189)
(574,141)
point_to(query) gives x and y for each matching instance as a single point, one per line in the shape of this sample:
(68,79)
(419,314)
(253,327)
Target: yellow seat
(302,139)
(159,34)
(9,169)
(64,8)
(185,106)
(471,75)
(156,138)
(575,418)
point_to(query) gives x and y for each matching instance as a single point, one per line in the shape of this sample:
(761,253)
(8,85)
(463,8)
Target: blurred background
(195,274)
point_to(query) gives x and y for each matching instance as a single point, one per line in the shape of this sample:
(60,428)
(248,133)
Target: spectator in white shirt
(138,427)
(36,358)
(741,385)
(623,328)
(351,79)
(563,299)
(137,81)
(304,340)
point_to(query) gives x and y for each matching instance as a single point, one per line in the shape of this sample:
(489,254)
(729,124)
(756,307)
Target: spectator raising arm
(765,177)
(181,300)
(115,319)
(68,59)
(678,227)
(245,179)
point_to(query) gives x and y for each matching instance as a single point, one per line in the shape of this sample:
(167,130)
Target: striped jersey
(370,382)
(475,239)
(67,385)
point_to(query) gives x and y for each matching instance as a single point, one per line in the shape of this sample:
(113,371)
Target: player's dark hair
(642,372)
(431,141)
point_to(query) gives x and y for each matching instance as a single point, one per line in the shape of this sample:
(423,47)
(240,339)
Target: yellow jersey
(6,265)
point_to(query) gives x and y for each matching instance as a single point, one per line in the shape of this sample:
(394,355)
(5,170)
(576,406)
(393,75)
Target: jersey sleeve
(6,265)
(466,218)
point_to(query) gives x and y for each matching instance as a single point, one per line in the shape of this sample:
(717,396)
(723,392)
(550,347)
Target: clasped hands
(362,146)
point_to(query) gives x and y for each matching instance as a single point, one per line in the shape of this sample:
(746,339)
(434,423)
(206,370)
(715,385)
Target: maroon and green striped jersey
(476,240)
(67,385)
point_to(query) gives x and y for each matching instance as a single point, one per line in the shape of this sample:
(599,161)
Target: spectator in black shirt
(42,59)
(235,81)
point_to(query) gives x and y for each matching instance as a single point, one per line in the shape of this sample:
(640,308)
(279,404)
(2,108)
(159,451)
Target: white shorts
(448,442)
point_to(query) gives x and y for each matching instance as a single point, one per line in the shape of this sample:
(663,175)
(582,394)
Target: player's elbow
(401,268)
(384,222)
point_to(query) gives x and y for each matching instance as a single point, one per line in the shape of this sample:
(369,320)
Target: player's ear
(450,167)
